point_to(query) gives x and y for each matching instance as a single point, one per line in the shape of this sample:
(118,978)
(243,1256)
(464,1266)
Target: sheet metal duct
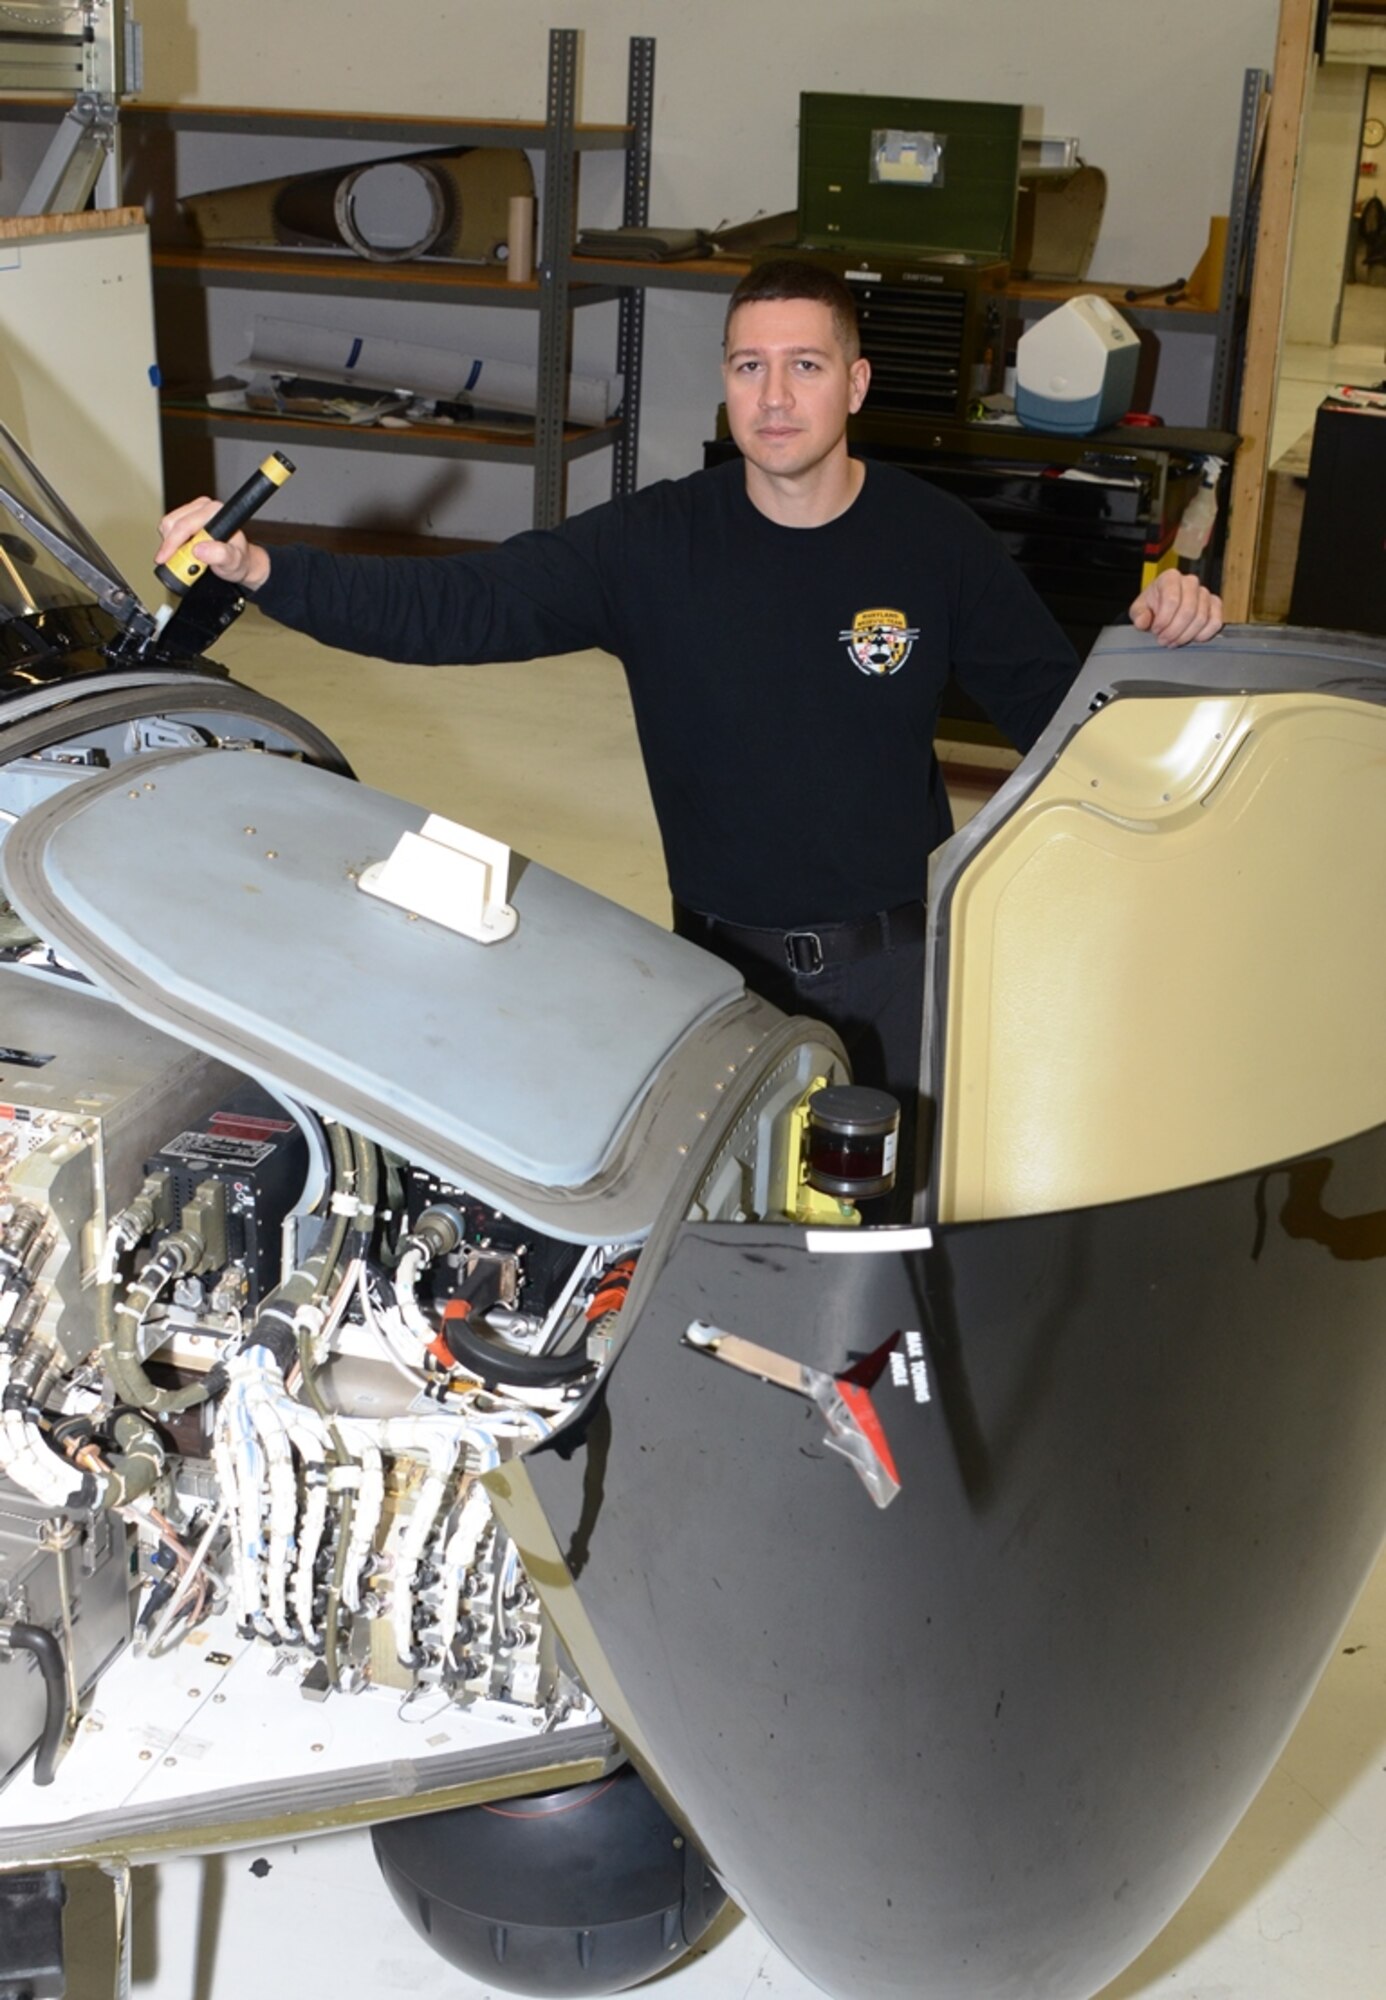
(454,204)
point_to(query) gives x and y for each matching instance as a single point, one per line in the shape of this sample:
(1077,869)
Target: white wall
(1151,87)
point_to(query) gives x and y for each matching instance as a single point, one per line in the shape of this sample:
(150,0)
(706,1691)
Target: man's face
(789,387)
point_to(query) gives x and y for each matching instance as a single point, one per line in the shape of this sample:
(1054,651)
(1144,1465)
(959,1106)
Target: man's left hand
(1177,610)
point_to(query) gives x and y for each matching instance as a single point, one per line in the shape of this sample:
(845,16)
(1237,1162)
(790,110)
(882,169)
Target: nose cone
(986,1740)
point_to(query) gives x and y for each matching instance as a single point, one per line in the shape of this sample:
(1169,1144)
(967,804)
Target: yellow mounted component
(800,1202)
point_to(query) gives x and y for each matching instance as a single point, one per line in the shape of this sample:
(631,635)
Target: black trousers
(875,1002)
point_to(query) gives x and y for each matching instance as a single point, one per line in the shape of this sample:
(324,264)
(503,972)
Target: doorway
(1335,305)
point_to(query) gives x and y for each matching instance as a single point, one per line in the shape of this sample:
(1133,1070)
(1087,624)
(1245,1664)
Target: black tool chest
(1081,516)
(1082,541)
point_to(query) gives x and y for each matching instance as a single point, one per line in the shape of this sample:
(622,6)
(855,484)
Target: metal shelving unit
(555,292)
(1243,213)
(565,282)
(430,440)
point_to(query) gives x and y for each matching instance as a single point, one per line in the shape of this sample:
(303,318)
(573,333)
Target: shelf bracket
(75,157)
(630,335)
(555,264)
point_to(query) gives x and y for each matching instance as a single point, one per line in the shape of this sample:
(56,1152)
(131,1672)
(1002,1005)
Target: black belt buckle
(803,952)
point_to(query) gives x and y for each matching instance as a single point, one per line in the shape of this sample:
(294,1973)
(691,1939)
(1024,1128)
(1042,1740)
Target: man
(787,624)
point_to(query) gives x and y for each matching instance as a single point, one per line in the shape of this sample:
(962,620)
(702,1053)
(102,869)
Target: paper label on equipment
(215,1149)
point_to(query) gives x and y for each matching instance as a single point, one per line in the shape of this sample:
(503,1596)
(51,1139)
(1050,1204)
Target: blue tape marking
(471,380)
(355,354)
(155,378)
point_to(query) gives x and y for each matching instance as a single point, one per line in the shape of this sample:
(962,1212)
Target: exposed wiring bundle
(300,1434)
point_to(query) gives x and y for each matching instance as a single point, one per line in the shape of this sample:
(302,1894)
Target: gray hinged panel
(218,896)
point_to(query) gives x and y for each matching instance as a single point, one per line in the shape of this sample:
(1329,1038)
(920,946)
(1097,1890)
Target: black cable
(49,1654)
(495,1366)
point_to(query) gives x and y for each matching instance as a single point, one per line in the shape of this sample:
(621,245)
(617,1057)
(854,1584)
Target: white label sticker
(867,1242)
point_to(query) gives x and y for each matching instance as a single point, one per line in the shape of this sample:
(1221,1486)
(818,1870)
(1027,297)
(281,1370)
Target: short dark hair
(794,278)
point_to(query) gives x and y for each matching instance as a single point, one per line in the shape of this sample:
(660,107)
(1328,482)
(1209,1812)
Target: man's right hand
(236,561)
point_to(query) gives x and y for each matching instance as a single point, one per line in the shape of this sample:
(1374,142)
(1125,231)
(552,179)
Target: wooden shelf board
(1190,313)
(440,440)
(82,222)
(681,274)
(291,122)
(261,268)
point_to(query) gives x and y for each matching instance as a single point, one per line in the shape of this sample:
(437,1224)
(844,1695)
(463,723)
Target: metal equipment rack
(551,293)
(1224,394)
(91,50)
(57,46)
(554,293)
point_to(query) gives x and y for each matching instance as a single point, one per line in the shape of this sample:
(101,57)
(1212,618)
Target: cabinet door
(78,384)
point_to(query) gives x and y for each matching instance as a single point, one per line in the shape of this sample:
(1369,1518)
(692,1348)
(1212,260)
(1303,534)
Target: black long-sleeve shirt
(785,681)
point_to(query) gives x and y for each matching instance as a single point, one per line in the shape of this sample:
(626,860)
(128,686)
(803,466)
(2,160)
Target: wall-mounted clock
(1373,132)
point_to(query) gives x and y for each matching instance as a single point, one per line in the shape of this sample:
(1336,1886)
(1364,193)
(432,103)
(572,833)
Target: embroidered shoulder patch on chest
(879,642)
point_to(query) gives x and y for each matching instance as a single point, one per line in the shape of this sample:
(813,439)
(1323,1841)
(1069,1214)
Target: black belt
(812,949)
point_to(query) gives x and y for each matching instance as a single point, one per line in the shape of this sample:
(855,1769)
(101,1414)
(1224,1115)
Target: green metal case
(911,178)
(913,201)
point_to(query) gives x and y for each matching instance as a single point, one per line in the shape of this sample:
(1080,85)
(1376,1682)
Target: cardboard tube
(519,264)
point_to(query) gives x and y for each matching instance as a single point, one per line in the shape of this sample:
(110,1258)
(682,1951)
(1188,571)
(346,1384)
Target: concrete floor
(1307,372)
(1294,1909)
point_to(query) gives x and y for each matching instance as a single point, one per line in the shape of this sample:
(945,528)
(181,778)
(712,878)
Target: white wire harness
(378,1529)
(312,1461)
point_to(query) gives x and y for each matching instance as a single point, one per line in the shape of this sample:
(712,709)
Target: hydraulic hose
(367,1164)
(138,1463)
(275,1325)
(495,1366)
(329,1251)
(437,1231)
(118,1341)
(33,1639)
(354,1182)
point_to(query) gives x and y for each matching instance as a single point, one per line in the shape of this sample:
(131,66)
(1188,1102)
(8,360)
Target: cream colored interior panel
(1170,963)
(77,380)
